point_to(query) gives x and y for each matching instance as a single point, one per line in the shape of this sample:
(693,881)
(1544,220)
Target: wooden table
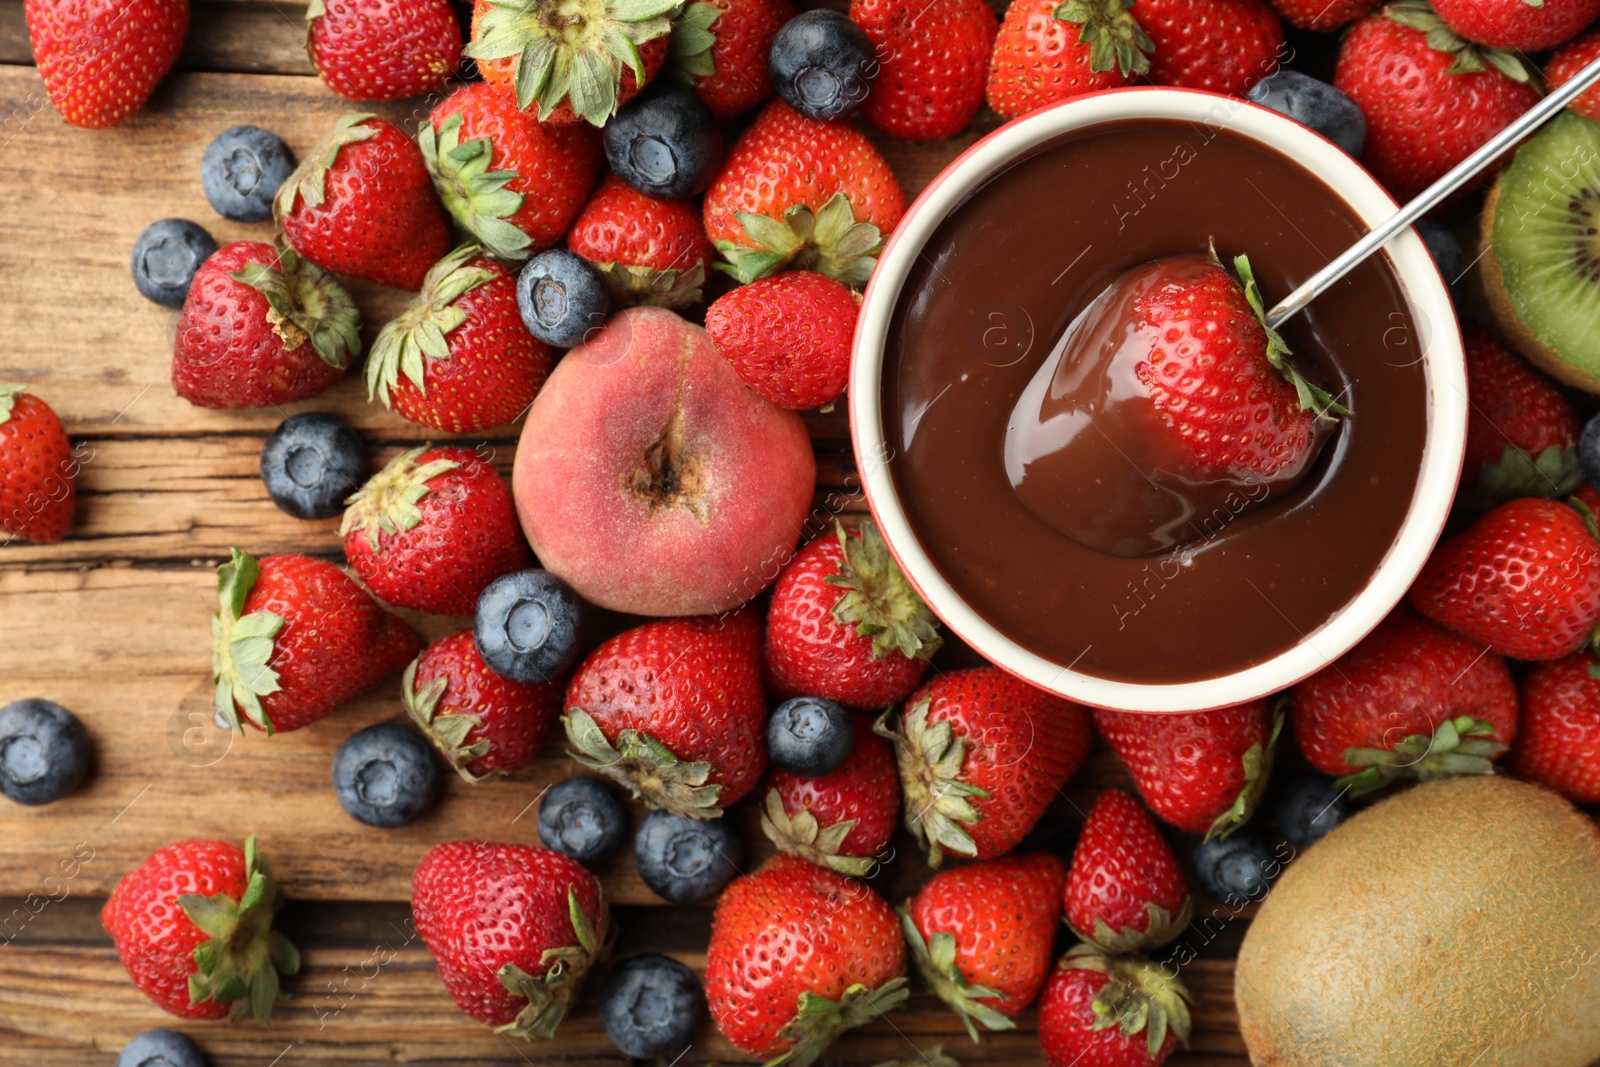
(113,623)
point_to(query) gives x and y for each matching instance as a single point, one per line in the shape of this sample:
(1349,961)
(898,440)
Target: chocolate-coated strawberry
(1125,891)
(38,474)
(383,49)
(101,59)
(1111,1011)
(843,819)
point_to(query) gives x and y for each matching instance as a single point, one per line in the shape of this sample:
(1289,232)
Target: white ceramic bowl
(1445,376)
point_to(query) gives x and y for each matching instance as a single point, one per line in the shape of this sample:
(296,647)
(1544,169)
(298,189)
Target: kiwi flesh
(1541,242)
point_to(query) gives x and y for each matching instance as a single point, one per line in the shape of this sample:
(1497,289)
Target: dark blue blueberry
(822,64)
(1447,254)
(385,775)
(1308,807)
(166,257)
(241,172)
(528,626)
(810,736)
(665,143)
(44,751)
(161,1048)
(686,861)
(1237,868)
(311,464)
(1316,104)
(583,818)
(561,297)
(650,1006)
(1589,451)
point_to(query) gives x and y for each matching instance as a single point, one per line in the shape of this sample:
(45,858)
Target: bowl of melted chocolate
(1025,482)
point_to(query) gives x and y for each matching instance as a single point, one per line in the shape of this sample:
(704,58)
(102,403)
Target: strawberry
(362,204)
(674,710)
(193,928)
(1323,15)
(799,954)
(1203,772)
(934,60)
(1404,69)
(1518,25)
(1522,436)
(1109,1011)
(1524,580)
(1568,60)
(981,754)
(295,638)
(649,251)
(1409,700)
(1224,46)
(846,625)
(383,49)
(432,529)
(38,474)
(459,359)
(845,818)
(1558,738)
(788,335)
(101,59)
(484,725)
(509,180)
(796,192)
(1125,891)
(512,928)
(1040,57)
(721,46)
(262,327)
(981,935)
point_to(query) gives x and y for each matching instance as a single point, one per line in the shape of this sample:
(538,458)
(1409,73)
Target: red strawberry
(799,954)
(486,726)
(1225,46)
(1405,69)
(193,928)
(981,756)
(795,192)
(649,251)
(101,59)
(1518,25)
(1524,580)
(509,180)
(1125,891)
(362,204)
(432,529)
(1039,58)
(721,46)
(1323,15)
(1568,60)
(38,474)
(674,710)
(296,638)
(934,60)
(261,327)
(383,49)
(788,336)
(981,935)
(459,359)
(1410,699)
(1203,772)
(1587,495)
(845,818)
(1558,739)
(846,625)
(1108,1011)
(512,928)
(1521,433)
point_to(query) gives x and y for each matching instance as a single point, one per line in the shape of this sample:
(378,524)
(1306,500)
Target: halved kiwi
(1541,239)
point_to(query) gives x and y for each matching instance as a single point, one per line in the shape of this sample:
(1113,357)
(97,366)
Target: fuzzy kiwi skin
(1456,924)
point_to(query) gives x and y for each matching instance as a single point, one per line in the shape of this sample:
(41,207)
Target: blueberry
(528,626)
(810,736)
(1315,104)
(1238,868)
(686,861)
(583,818)
(44,752)
(650,1006)
(161,1048)
(665,143)
(1447,254)
(822,64)
(311,464)
(561,297)
(1308,807)
(241,172)
(385,775)
(1589,451)
(166,257)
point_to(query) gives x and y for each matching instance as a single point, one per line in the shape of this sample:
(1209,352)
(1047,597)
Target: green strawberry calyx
(802,835)
(242,957)
(387,503)
(1139,997)
(1114,36)
(689,51)
(830,241)
(309,182)
(1160,927)
(1462,745)
(8,398)
(418,333)
(476,197)
(1257,764)
(1470,58)
(242,645)
(879,602)
(935,961)
(635,286)
(1312,398)
(938,803)
(820,1020)
(551,996)
(1554,473)
(305,303)
(449,731)
(647,768)
(572,50)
